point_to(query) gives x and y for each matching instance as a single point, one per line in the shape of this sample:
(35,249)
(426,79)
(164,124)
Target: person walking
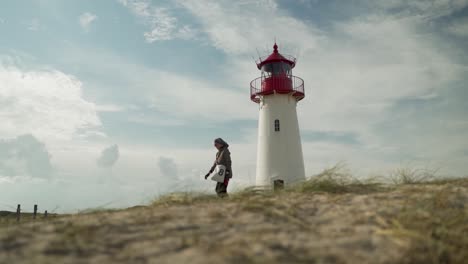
(223,157)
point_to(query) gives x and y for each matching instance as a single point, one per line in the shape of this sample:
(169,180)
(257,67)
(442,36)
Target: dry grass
(339,180)
(184,198)
(436,224)
(413,175)
(331,218)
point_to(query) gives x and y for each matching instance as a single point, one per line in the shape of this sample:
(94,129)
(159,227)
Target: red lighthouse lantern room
(276,77)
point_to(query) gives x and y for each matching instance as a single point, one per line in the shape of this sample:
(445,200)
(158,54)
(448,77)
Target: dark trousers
(221,188)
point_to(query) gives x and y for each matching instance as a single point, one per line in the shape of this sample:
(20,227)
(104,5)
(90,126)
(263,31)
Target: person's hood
(222,142)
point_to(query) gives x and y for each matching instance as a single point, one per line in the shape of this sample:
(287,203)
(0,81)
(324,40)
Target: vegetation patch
(339,180)
(436,226)
(332,217)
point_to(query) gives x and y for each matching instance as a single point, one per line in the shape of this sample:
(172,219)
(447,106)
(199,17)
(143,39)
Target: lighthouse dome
(276,57)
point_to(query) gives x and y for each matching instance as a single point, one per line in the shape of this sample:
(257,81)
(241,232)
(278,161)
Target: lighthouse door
(278,185)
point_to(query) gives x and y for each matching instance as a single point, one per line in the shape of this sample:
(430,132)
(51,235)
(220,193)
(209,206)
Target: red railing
(283,85)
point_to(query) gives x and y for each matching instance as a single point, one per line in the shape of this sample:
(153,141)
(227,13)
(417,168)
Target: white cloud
(24,156)
(86,19)
(193,98)
(186,32)
(109,156)
(239,27)
(180,97)
(162,25)
(374,63)
(109,108)
(46,103)
(196,98)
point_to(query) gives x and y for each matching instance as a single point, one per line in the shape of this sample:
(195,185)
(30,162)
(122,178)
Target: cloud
(24,156)
(239,27)
(356,70)
(368,66)
(195,98)
(168,168)
(109,108)
(46,103)
(367,63)
(162,25)
(364,65)
(109,157)
(459,28)
(86,19)
(425,9)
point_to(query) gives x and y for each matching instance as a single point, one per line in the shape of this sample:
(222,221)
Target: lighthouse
(277,92)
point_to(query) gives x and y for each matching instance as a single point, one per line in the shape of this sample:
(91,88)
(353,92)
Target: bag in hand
(219,173)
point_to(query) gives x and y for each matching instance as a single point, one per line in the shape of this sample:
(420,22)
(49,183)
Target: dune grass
(334,180)
(423,219)
(407,175)
(183,198)
(436,224)
(339,180)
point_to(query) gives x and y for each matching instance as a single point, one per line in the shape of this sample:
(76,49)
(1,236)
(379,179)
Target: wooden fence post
(35,212)
(18,213)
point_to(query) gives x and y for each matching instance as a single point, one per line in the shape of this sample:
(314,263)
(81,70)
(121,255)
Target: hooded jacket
(223,157)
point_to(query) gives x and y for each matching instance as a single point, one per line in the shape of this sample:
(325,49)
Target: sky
(112,103)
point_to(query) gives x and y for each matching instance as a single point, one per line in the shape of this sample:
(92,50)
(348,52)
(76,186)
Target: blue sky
(121,99)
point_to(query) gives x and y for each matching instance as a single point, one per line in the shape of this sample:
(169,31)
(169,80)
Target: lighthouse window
(287,68)
(267,69)
(276,68)
(277,125)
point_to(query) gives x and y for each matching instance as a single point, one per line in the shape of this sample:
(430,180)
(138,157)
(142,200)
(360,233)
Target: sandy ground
(291,227)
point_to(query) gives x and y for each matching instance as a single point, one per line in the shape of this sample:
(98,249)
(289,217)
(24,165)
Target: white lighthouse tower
(277,91)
